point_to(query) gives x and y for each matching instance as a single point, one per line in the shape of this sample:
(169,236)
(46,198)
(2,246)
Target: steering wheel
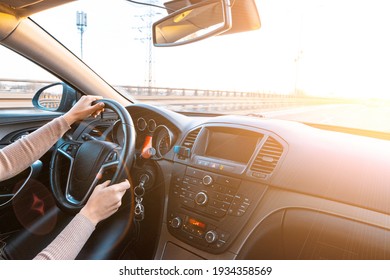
(90,158)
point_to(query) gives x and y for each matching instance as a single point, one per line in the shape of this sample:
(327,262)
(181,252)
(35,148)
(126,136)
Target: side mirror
(193,23)
(58,97)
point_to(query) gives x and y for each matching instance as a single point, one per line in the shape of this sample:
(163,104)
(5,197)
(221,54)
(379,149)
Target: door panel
(21,201)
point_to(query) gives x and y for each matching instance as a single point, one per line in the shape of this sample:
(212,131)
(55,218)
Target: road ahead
(367,116)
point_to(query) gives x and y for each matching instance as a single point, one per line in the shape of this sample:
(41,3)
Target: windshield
(314,61)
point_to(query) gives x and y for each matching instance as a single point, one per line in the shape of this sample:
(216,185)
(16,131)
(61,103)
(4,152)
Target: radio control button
(211,236)
(216,212)
(201,198)
(229,182)
(230,191)
(220,205)
(194,172)
(176,222)
(188,202)
(220,188)
(224,236)
(207,180)
(190,195)
(220,244)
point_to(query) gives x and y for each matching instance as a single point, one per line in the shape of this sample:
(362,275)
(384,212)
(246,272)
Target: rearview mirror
(193,23)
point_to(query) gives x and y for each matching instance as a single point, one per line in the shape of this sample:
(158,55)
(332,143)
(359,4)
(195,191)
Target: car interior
(205,186)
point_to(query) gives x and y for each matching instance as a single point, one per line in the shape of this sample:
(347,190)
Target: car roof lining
(25,8)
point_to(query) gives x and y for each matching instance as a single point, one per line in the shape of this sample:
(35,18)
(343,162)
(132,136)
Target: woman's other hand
(84,108)
(104,201)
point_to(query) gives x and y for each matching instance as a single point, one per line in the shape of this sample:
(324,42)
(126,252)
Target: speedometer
(162,140)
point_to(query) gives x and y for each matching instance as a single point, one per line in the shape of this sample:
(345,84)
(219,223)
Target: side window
(20,79)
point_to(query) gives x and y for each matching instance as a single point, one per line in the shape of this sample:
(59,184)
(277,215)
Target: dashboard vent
(21,135)
(191,137)
(268,157)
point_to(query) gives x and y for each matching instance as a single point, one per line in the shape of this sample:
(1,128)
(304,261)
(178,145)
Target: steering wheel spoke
(112,158)
(69,149)
(110,165)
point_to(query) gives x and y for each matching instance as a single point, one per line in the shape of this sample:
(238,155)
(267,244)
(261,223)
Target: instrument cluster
(161,136)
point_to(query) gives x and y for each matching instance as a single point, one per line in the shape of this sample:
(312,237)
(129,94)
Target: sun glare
(322,48)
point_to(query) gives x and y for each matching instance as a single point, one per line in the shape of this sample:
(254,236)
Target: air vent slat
(268,157)
(191,137)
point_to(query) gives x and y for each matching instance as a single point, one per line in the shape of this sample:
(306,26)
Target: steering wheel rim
(95,156)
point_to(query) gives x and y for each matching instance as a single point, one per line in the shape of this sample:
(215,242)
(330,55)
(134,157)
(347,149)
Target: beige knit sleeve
(67,245)
(17,156)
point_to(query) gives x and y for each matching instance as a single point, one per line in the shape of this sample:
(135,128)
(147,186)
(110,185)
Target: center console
(210,197)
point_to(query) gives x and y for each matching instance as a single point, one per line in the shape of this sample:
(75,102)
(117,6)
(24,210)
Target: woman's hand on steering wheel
(104,201)
(84,108)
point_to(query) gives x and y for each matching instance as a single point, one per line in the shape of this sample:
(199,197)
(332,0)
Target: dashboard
(237,187)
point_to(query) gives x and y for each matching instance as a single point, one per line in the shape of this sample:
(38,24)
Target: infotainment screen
(231,144)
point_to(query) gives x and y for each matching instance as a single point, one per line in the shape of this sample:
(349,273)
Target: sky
(322,47)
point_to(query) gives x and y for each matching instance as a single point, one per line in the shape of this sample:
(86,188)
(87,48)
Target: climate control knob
(207,180)
(176,222)
(201,198)
(211,236)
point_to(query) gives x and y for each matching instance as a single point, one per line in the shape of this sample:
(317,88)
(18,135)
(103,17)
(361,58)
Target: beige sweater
(20,155)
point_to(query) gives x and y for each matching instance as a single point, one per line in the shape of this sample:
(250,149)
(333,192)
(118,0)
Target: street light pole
(296,61)
(81,22)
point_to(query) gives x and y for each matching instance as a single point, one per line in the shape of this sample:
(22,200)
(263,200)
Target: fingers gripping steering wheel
(87,159)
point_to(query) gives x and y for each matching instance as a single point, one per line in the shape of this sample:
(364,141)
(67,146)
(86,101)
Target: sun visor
(8,23)
(244,13)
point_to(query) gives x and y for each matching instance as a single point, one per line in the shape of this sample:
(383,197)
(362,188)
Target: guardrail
(17,93)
